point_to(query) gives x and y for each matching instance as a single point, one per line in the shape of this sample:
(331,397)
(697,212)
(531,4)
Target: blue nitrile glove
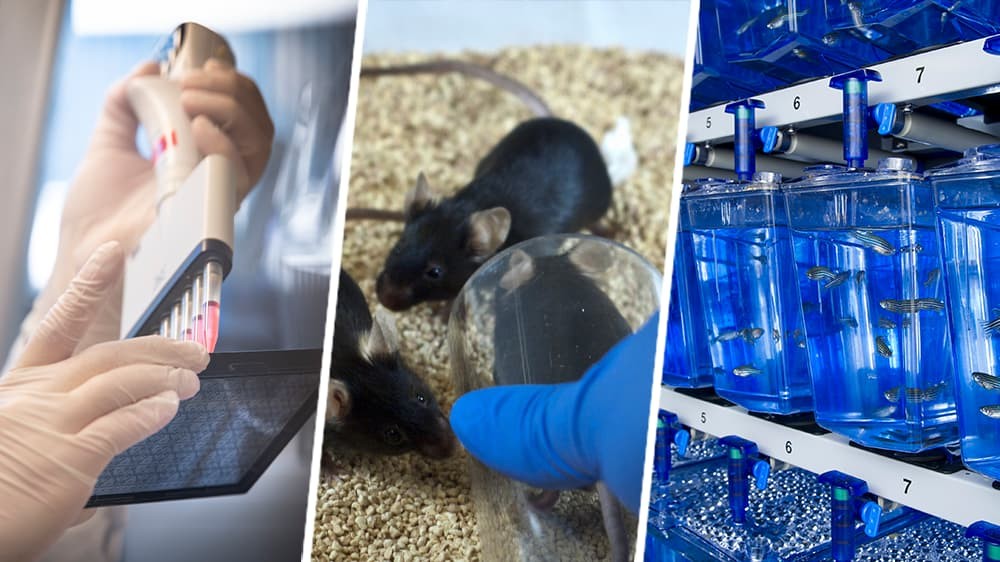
(569,435)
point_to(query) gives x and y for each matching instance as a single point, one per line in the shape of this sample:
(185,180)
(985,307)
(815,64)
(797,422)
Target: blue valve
(885,115)
(668,430)
(743,130)
(849,504)
(990,535)
(769,138)
(855,87)
(689,153)
(744,462)
(992,45)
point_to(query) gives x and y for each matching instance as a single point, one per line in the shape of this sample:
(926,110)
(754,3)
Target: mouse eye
(392,435)
(434,272)
(421,399)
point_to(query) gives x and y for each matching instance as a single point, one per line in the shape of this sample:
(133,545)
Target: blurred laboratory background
(60,57)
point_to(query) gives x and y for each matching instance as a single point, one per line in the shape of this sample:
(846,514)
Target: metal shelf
(963,497)
(946,73)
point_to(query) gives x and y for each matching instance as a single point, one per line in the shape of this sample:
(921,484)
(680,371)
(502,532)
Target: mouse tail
(614,524)
(365,213)
(440,66)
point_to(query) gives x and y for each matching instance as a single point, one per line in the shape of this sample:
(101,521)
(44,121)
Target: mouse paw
(603,229)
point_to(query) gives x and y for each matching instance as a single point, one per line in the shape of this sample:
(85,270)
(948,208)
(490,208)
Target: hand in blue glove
(569,435)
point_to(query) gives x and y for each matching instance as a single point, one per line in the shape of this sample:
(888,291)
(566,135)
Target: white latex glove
(63,417)
(112,196)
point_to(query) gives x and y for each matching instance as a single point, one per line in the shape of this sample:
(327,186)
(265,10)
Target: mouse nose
(444,445)
(392,296)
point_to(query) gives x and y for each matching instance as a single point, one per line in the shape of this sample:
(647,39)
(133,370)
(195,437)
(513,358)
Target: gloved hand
(63,418)
(569,435)
(112,196)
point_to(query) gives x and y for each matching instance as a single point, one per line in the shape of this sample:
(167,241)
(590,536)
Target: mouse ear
(338,402)
(487,232)
(418,198)
(383,339)
(521,268)
(591,257)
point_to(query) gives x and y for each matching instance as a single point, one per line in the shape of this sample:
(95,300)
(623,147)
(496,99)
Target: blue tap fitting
(744,462)
(992,45)
(743,112)
(990,535)
(849,504)
(855,87)
(769,138)
(885,116)
(668,430)
(689,152)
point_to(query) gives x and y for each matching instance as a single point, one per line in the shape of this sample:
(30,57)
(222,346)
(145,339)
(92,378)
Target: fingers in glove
(218,77)
(117,124)
(123,387)
(67,321)
(212,140)
(113,433)
(151,350)
(233,118)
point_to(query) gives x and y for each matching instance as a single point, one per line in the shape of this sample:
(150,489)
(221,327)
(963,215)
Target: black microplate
(250,406)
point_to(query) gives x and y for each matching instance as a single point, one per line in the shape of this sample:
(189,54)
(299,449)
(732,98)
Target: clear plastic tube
(186,328)
(211,298)
(197,318)
(175,322)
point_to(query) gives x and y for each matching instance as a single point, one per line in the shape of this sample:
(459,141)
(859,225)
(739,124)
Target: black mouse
(546,176)
(375,403)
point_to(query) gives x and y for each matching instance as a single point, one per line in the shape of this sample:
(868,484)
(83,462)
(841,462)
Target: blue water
(789,40)
(904,26)
(861,392)
(746,280)
(687,362)
(971,250)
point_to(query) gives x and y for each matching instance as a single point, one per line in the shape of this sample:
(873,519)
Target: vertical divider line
(345,145)
(668,264)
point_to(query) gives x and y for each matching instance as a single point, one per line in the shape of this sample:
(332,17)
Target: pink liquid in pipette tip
(211,325)
(199,329)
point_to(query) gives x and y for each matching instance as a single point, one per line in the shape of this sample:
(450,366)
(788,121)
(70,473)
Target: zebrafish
(776,334)
(728,335)
(820,273)
(986,380)
(915,394)
(783,18)
(838,280)
(991,411)
(882,347)
(751,335)
(746,371)
(860,277)
(848,321)
(932,276)
(886,324)
(911,306)
(767,15)
(991,326)
(875,242)
(916,248)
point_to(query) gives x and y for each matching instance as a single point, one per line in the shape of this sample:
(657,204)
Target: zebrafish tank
(743,258)
(868,266)
(687,362)
(968,201)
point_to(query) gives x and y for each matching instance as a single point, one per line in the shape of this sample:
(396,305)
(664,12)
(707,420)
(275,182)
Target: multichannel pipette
(173,280)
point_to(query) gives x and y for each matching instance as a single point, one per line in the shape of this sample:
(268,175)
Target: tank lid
(976,159)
